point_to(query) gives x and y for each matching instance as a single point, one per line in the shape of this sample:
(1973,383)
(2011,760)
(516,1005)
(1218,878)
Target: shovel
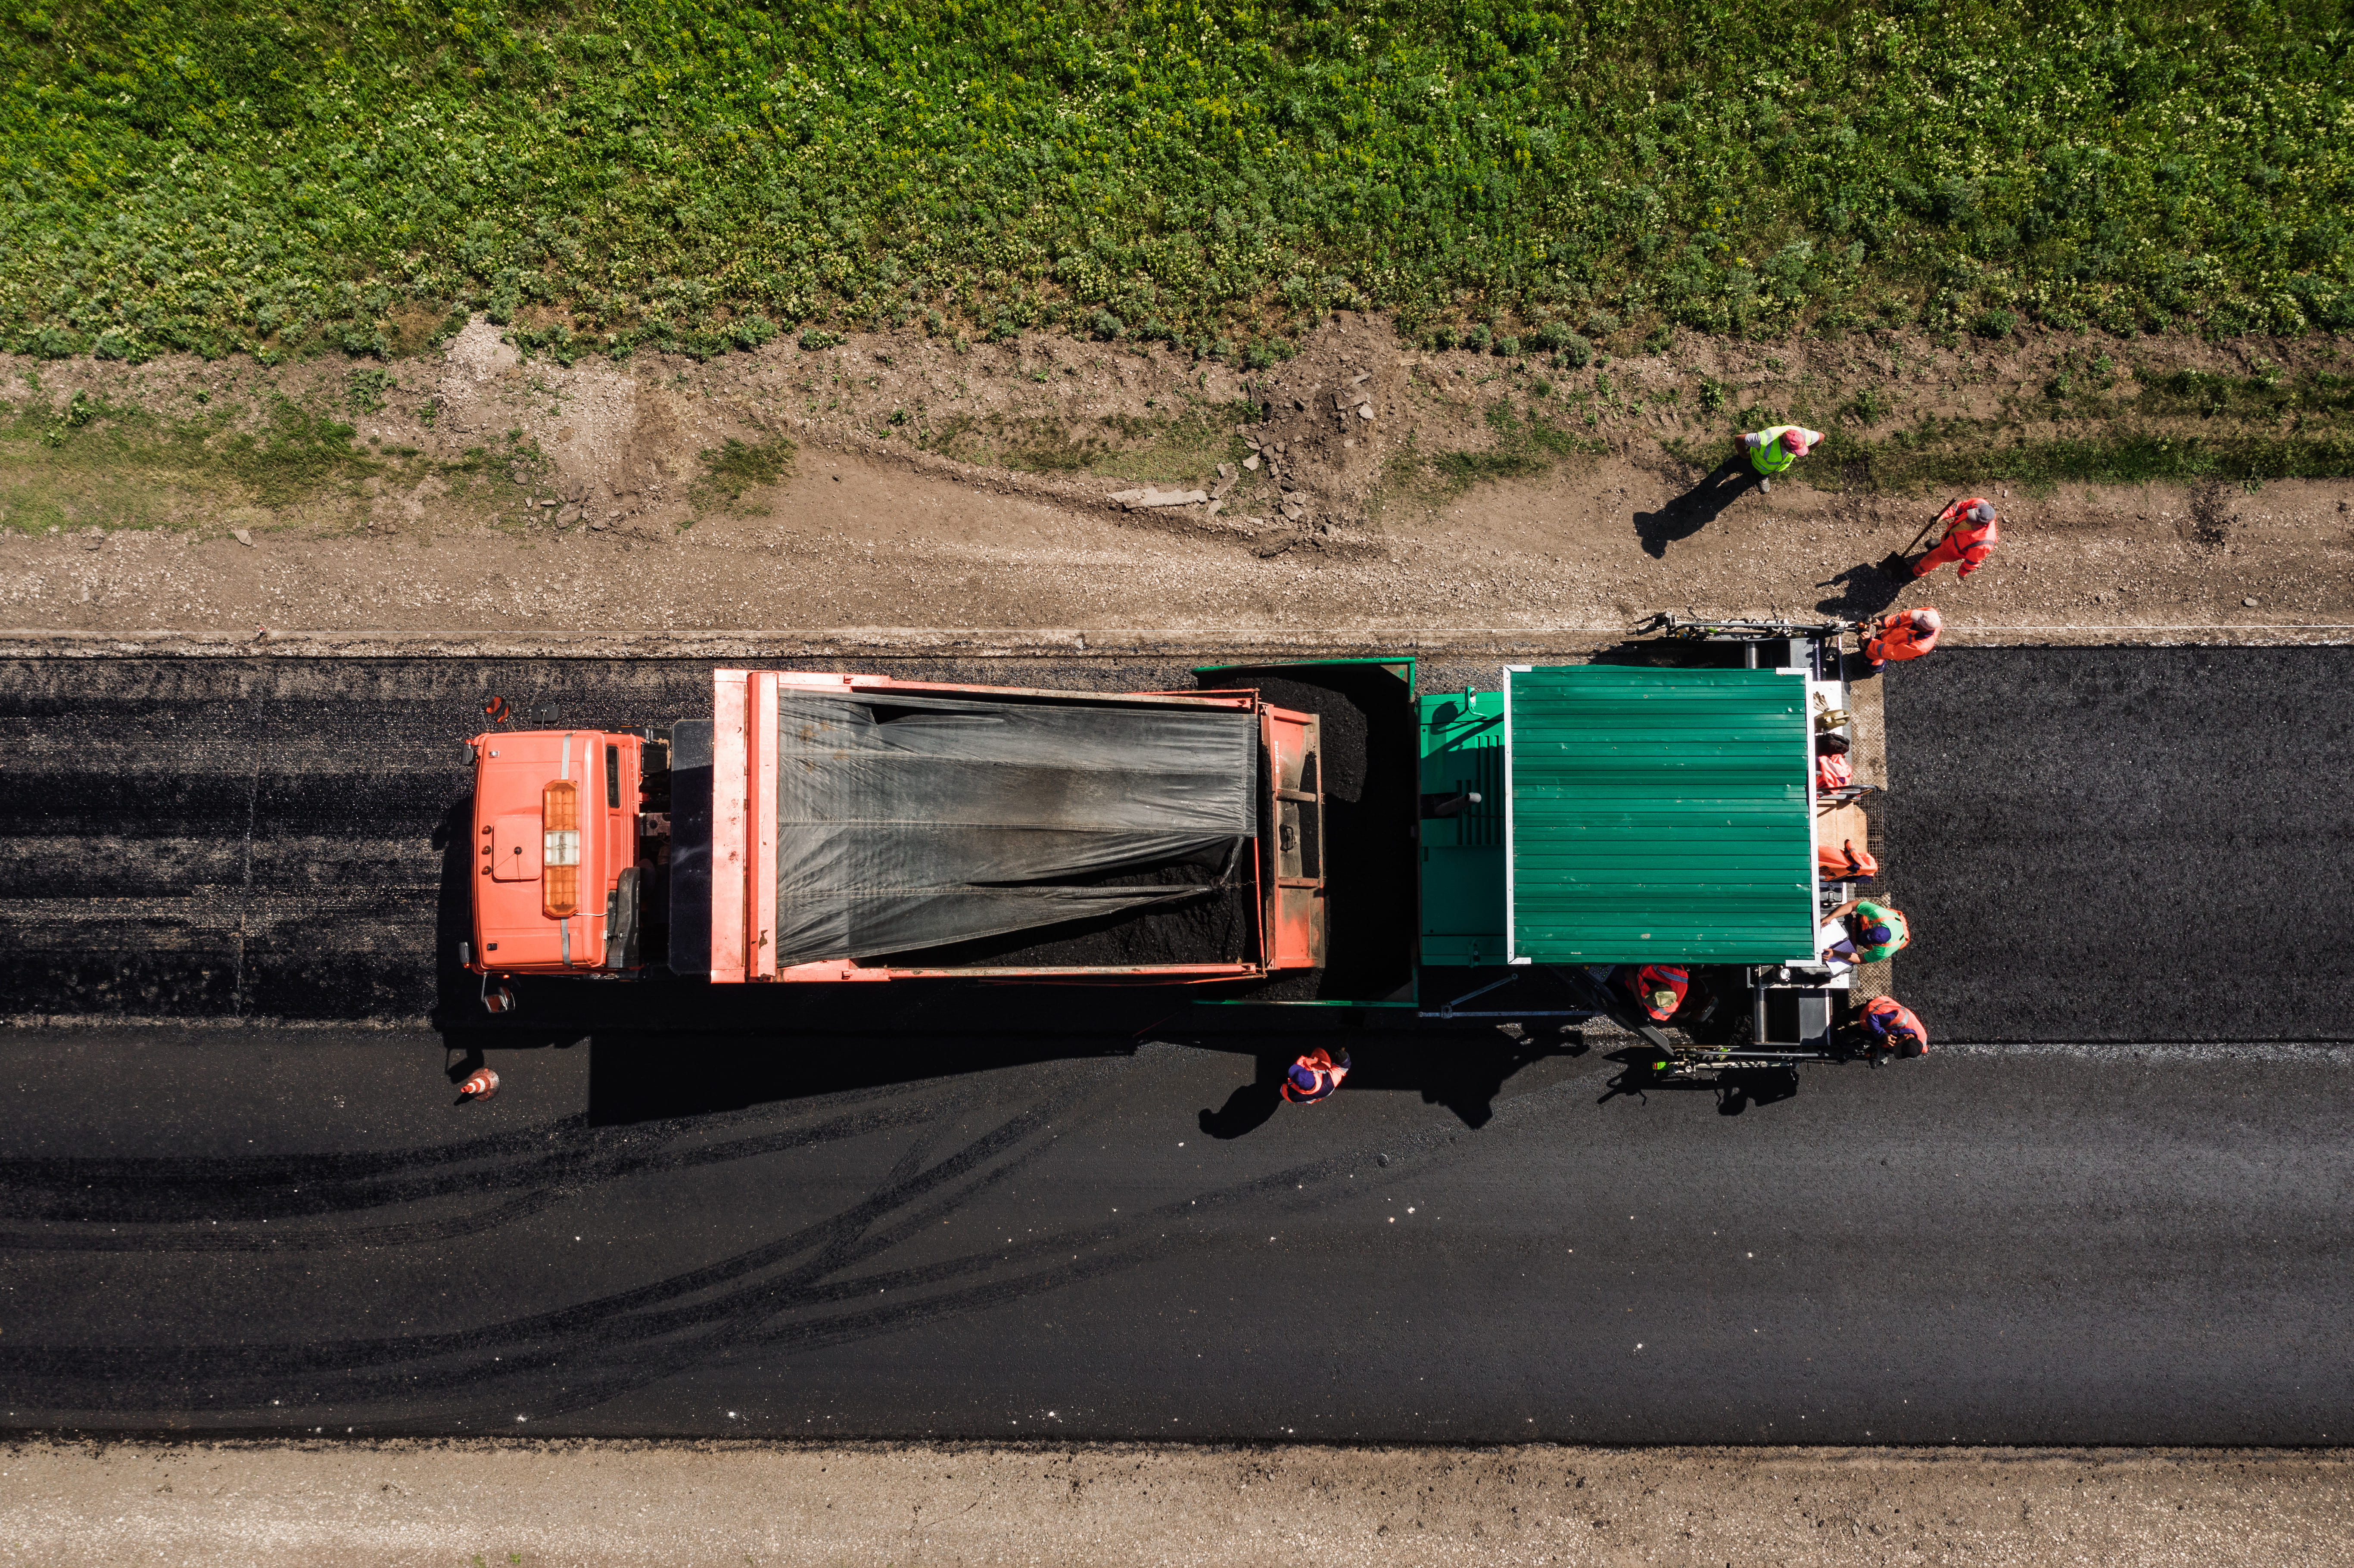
(1894,566)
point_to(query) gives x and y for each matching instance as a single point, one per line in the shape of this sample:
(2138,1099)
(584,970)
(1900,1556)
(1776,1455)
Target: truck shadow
(637,1075)
(1463,1070)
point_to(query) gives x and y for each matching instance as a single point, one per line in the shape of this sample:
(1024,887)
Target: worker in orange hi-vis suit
(1972,530)
(1907,634)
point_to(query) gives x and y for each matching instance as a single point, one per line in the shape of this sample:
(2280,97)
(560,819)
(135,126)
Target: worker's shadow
(1695,509)
(1865,589)
(1253,1105)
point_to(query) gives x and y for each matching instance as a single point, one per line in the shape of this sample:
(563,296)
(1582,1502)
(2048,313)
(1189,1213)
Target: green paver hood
(1658,815)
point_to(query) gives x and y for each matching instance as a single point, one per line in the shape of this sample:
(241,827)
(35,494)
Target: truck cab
(564,848)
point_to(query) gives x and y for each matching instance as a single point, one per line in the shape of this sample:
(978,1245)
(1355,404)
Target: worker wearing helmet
(1972,530)
(1660,989)
(1907,634)
(1775,448)
(1832,768)
(1890,1027)
(1314,1076)
(1876,932)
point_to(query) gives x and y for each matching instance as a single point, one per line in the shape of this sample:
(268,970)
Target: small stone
(568,516)
(1215,508)
(1364,410)
(547,503)
(1226,470)
(1251,462)
(1360,380)
(597,525)
(2249,602)
(1300,405)
(242,537)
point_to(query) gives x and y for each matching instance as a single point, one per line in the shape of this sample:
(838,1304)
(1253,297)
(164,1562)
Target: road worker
(1972,530)
(1314,1076)
(1775,448)
(1891,1027)
(1907,634)
(1660,989)
(1832,770)
(1876,931)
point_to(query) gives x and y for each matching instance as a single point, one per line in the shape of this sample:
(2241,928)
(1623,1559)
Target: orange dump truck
(857,828)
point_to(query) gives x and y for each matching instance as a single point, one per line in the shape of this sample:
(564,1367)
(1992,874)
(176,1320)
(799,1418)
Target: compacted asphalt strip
(1060,1218)
(2125,844)
(296,1232)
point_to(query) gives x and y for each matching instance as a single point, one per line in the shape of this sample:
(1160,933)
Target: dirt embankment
(1361,486)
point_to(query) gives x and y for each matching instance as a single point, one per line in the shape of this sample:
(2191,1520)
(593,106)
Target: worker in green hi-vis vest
(1775,448)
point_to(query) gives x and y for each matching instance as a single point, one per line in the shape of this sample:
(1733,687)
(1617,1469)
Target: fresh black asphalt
(2125,843)
(1050,1218)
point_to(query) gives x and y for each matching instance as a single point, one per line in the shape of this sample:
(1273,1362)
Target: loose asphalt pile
(2125,844)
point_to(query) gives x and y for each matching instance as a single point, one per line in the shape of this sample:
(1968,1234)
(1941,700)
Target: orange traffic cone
(481,1085)
(497,709)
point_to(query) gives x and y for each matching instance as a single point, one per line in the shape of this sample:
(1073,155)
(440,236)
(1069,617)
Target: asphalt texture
(251,1204)
(2125,844)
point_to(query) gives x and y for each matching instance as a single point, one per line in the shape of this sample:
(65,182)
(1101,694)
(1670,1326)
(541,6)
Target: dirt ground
(598,1504)
(1360,487)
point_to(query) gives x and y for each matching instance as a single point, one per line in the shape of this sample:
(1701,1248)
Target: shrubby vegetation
(213,176)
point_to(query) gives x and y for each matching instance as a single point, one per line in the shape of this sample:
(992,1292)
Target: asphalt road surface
(2125,843)
(1049,1219)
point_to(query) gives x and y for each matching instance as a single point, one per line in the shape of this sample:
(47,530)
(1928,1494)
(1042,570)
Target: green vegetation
(733,467)
(215,175)
(1520,448)
(2186,427)
(87,460)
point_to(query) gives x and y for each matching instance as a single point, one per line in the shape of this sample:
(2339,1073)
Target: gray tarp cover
(907,821)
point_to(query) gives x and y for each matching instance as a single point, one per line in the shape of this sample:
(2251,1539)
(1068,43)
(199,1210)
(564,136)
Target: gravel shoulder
(1360,487)
(599,1504)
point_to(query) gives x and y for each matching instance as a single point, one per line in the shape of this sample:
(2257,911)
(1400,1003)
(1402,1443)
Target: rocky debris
(1251,462)
(1137,500)
(242,537)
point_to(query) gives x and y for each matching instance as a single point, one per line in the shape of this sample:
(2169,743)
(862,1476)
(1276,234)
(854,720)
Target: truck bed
(992,832)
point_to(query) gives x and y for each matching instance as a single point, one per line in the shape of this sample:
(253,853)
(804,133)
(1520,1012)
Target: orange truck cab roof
(555,828)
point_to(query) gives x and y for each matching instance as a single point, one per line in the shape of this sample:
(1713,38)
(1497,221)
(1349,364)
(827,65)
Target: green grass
(733,467)
(2125,454)
(1521,448)
(82,460)
(211,176)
